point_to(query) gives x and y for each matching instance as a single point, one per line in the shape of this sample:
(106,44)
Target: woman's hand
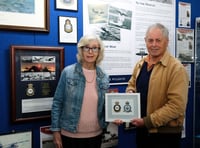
(118,122)
(57,139)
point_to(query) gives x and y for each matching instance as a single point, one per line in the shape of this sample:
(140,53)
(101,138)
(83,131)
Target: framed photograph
(67,4)
(29,15)
(67,29)
(35,71)
(14,140)
(124,106)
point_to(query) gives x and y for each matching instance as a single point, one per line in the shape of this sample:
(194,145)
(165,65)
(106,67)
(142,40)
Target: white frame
(68,37)
(123,113)
(67,4)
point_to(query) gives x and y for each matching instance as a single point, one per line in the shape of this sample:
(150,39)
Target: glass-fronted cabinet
(197,84)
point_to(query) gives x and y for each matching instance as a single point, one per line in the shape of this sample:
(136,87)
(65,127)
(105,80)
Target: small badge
(68,26)
(127,107)
(117,107)
(30,90)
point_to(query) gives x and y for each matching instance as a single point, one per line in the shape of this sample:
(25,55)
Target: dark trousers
(157,140)
(93,142)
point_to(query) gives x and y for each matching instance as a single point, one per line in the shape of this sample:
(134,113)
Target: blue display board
(51,38)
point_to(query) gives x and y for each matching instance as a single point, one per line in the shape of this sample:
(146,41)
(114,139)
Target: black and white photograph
(39,68)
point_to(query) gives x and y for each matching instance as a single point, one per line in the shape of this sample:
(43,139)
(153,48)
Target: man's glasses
(94,49)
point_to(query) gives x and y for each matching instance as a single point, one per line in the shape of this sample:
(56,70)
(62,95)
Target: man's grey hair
(160,26)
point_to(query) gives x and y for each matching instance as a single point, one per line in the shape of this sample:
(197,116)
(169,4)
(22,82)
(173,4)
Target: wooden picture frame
(25,16)
(35,72)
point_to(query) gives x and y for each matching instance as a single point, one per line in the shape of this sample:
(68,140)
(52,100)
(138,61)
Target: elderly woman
(78,105)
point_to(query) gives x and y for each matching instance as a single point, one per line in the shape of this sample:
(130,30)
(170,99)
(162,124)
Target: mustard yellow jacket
(167,95)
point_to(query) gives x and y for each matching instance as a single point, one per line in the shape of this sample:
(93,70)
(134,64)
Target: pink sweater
(88,123)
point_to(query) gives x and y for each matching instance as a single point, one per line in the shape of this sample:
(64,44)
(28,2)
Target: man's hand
(138,122)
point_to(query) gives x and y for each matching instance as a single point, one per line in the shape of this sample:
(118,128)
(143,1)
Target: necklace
(90,81)
(89,74)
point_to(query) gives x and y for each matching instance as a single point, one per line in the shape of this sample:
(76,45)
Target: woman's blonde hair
(84,41)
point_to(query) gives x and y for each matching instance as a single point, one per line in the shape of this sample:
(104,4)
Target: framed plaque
(35,71)
(123,106)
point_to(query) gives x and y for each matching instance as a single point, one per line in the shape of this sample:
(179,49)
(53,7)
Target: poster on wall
(122,25)
(184,14)
(185,44)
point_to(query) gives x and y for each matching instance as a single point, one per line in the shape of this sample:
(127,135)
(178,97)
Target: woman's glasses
(93,49)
